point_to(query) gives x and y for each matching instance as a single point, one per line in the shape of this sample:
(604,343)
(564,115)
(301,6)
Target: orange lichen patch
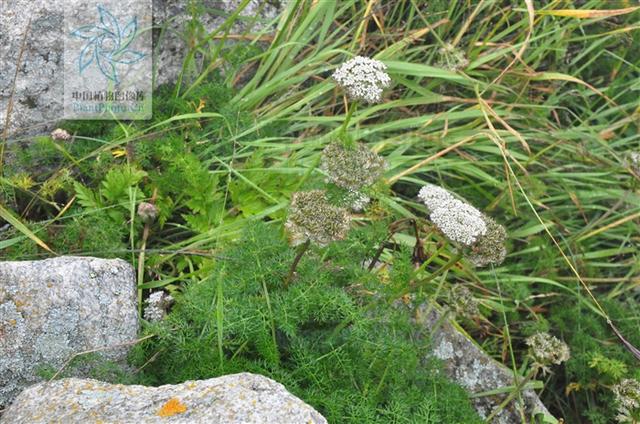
(172,407)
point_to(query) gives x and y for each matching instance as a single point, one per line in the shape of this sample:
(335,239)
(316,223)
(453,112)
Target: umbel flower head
(458,221)
(358,201)
(351,167)
(363,79)
(434,197)
(490,247)
(147,212)
(627,394)
(312,217)
(452,58)
(546,350)
(60,135)
(462,223)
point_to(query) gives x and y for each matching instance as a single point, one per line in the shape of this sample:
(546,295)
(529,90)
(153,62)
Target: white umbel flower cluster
(462,223)
(458,221)
(627,394)
(363,79)
(433,196)
(158,304)
(546,350)
(60,135)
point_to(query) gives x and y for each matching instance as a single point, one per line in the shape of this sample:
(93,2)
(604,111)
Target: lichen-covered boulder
(37,98)
(55,308)
(238,398)
(468,365)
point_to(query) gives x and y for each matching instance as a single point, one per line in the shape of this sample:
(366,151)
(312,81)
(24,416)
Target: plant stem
(145,236)
(143,247)
(343,130)
(376,256)
(294,265)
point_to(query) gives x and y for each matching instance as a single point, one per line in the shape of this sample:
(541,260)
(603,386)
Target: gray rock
(37,102)
(55,308)
(239,398)
(469,366)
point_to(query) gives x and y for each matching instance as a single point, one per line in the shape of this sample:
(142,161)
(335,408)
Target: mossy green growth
(242,318)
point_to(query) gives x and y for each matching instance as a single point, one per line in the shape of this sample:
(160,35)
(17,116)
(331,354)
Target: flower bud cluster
(312,217)
(627,394)
(351,167)
(452,58)
(60,135)
(147,212)
(546,350)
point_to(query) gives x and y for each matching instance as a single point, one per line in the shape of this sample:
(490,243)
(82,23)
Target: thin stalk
(376,256)
(351,108)
(294,265)
(145,236)
(141,256)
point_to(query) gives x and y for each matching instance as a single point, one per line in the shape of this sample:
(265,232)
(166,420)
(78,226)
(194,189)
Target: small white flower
(546,350)
(627,394)
(360,201)
(60,135)
(363,79)
(459,222)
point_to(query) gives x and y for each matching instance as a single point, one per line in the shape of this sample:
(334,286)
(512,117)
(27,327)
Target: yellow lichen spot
(172,407)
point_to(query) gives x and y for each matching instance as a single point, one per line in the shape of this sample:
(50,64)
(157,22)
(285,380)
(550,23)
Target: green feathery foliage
(242,318)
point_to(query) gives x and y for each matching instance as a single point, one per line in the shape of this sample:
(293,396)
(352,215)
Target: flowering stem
(343,131)
(145,236)
(141,256)
(375,258)
(294,265)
